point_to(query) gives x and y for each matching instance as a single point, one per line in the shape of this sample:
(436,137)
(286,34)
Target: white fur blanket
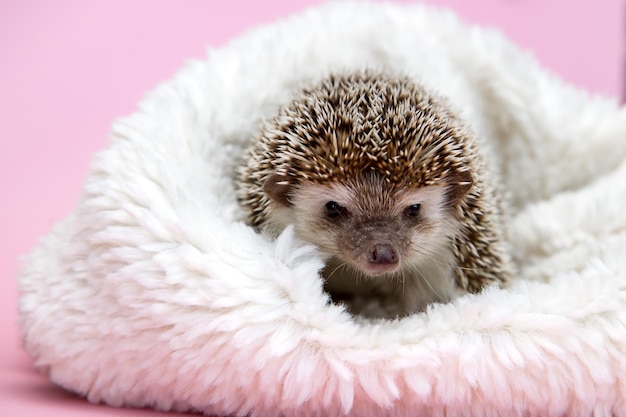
(153,293)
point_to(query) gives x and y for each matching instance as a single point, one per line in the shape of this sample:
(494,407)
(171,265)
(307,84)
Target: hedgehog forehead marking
(346,126)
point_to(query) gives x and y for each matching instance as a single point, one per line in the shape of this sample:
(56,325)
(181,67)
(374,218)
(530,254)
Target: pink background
(68,68)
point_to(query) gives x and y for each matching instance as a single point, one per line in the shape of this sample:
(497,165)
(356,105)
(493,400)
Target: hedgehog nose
(383,254)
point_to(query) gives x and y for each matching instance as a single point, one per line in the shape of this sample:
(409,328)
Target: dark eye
(413,210)
(335,210)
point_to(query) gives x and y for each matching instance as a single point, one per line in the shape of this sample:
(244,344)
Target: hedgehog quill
(389,184)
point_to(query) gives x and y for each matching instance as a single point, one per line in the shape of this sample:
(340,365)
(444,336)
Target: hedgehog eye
(413,210)
(335,210)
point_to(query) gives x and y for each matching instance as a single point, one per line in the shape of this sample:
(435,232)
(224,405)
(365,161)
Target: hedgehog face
(366,223)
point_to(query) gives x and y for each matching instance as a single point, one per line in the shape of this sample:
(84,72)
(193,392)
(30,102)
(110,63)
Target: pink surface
(68,68)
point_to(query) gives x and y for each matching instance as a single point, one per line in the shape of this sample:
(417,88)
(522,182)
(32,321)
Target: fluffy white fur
(153,293)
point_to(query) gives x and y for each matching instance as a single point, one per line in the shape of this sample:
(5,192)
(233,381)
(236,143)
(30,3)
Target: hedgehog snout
(377,256)
(373,247)
(383,254)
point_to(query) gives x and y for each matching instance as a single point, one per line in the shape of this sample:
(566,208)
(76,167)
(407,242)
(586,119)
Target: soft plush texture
(152,292)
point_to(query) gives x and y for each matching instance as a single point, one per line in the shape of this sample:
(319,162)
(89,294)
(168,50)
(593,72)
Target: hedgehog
(390,185)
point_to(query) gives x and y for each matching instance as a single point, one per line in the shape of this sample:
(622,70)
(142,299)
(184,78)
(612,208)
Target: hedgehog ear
(278,187)
(458,186)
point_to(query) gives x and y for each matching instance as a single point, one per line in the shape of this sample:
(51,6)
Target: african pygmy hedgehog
(389,184)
